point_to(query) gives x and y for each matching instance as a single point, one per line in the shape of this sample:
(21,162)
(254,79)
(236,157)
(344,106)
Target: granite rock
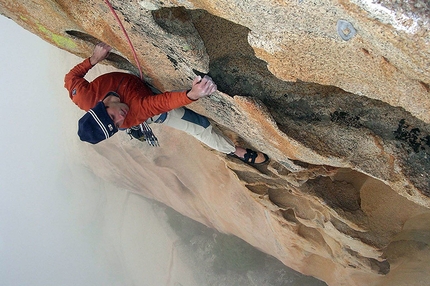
(335,91)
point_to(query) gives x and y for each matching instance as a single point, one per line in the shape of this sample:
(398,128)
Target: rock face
(336,92)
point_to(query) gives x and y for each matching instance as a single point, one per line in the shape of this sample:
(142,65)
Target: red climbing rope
(126,35)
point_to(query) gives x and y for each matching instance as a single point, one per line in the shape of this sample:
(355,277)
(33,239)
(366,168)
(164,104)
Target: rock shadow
(326,119)
(115,59)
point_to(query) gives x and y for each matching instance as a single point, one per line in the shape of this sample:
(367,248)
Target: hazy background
(61,225)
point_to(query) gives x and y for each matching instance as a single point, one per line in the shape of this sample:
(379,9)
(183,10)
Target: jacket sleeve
(166,101)
(144,104)
(79,88)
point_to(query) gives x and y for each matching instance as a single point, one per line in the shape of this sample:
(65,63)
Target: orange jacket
(132,91)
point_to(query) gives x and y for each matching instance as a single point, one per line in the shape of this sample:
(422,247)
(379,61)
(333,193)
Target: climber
(118,100)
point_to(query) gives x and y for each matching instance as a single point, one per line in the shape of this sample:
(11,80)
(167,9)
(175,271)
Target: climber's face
(116,109)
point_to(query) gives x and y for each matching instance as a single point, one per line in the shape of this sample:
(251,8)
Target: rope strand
(146,131)
(127,37)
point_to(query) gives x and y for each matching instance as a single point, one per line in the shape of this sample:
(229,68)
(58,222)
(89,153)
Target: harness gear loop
(143,132)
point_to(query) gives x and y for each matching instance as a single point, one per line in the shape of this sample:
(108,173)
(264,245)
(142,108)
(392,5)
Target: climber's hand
(202,87)
(101,51)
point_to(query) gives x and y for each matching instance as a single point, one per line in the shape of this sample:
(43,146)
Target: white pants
(197,126)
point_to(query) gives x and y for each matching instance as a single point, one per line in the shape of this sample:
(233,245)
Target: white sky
(34,233)
(59,224)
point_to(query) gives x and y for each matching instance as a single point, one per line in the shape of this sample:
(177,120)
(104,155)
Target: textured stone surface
(346,122)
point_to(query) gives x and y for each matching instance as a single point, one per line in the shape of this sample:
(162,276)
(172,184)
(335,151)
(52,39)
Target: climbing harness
(142,131)
(145,134)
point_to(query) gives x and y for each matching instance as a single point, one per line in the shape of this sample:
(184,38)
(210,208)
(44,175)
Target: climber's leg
(199,127)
